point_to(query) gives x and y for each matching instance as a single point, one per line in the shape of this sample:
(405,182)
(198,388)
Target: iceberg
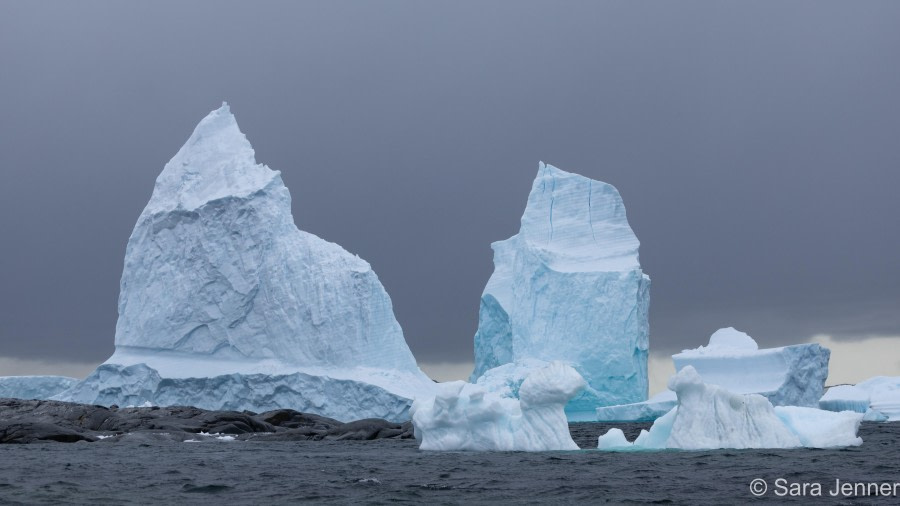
(225,304)
(466,416)
(567,287)
(34,387)
(878,398)
(711,417)
(647,411)
(788,376)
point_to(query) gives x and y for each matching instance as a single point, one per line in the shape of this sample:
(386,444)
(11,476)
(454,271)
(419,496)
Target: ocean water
(218,471)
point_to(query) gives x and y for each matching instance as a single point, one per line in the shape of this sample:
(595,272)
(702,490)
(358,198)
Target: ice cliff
(567,287)
(787,376)
(878,398)
(709,417)
(34,387)
(225,304)
(465,416)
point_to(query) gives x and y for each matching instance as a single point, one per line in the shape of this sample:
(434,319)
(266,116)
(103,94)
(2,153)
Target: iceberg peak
(577,223)
(216,161)
(226,304)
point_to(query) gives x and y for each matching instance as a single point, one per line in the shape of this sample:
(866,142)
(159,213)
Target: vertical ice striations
(218,280)
(569,287)
(215,266)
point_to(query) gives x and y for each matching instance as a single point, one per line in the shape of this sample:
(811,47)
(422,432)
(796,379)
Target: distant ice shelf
(34,387)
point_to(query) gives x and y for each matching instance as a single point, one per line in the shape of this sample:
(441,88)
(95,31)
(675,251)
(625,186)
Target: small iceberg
(710,417)
(878,398)
(466,416)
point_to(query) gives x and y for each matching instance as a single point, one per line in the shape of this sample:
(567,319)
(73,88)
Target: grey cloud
(754,144)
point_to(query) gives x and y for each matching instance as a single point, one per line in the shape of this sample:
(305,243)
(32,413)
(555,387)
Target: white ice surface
(220,289)
(569,287)
(646,411)
(821,429)
(787,376)
(465,416)
(878,397)
(790,375)
(710,417)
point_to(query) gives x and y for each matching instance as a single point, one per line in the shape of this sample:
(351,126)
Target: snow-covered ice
(225,304)
(787,376)
(878,398)
(647,411)
(466,416)
(817,428)
(568,287)
(34,387)
(709,417)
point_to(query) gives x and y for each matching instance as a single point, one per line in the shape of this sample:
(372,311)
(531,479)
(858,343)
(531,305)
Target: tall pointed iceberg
(225,304)
(568,287)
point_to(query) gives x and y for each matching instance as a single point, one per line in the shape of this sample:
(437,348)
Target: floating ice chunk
(710,417)
(875,416)
(614,439)
(878,398)
(568,287)
(846,398)
(465,416)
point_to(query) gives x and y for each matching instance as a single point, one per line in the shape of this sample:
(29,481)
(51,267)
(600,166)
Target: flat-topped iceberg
(647,411)
(34,387)
(787,376)
(568,287)
(466,416)
(878,398)
(225,304)
(710,417)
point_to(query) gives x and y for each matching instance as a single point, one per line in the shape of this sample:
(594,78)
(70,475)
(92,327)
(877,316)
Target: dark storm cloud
(755,144)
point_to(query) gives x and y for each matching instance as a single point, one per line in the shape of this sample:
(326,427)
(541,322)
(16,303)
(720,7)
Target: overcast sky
(756,145)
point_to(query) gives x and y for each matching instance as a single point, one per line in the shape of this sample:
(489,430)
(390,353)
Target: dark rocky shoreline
(36,421)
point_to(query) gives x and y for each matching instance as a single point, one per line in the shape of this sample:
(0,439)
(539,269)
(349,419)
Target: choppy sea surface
(217,471)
